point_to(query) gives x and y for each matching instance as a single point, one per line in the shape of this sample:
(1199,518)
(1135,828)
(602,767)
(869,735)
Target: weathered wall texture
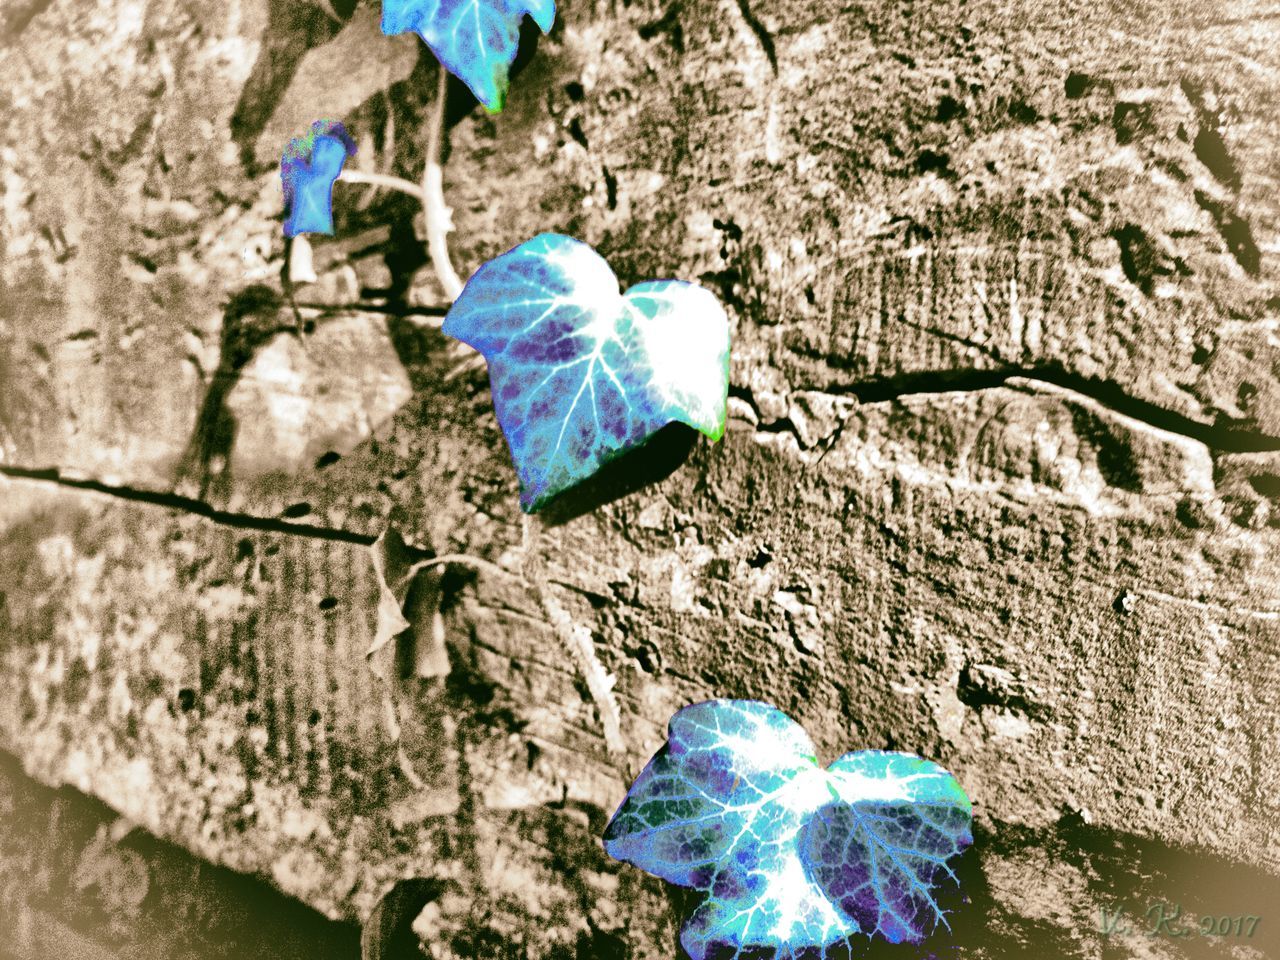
(1000,485)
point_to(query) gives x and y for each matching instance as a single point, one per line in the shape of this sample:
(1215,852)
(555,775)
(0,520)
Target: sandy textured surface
(1000,485)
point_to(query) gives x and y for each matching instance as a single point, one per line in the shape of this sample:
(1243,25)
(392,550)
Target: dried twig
(577,640)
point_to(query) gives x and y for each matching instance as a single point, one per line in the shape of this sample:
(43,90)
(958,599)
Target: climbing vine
(788,856)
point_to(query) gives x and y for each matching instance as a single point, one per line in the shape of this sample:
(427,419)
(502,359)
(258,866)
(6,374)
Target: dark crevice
(671,445)
(1265,485)
(763,35)
(611,189)
(1235,233)
(388,934)
(1225,436)
(1140,259)
(976,689)
(1132,121)
(781,425)
(1077,85)
(172,501)
(104,894)
(669,25)
(1211,150)
(363,306)
(1209,146)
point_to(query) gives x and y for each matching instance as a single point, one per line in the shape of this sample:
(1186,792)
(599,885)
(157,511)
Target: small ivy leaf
(791,858)
(308,168)
(580,372)
(475,40)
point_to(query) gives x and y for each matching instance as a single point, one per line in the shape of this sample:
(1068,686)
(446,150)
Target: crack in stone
(1220,437)
(199,508)
(367,306)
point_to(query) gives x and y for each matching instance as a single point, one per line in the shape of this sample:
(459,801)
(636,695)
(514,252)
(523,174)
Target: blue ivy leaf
(580,372)
(791,858)
(476,40)
(308,167)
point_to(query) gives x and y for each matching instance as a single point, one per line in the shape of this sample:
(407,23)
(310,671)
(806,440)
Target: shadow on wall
(73,888)
(1074,891)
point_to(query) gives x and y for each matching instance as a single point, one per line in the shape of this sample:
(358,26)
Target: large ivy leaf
(580,372)
(475,40)
(309,166)
(791,858)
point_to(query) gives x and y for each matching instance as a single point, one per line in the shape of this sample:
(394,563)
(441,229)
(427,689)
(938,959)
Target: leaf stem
(383,180)
(439,216)
(465,560)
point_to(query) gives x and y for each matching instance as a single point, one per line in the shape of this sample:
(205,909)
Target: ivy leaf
(790,857)
(475,40)
(308,167)
(580,372)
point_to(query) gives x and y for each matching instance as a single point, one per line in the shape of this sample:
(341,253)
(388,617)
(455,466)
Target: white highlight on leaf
(594,287)
(798,899)
(854,787)
(768,749)
(688,335)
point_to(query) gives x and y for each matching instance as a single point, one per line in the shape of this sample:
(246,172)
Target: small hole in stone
(949,108)
(328,603)
(1076,84)
(186,699)
(295,510)
(644,660)
(327,459)
(1266,485)
(932,160)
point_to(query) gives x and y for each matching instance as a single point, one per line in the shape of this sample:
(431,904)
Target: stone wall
(999,485)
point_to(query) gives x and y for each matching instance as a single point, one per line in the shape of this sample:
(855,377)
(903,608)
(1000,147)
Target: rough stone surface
(1000,485)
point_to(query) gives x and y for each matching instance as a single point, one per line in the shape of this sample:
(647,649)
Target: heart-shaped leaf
(308,168)
(475,40)
(790,857)
(580,372)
